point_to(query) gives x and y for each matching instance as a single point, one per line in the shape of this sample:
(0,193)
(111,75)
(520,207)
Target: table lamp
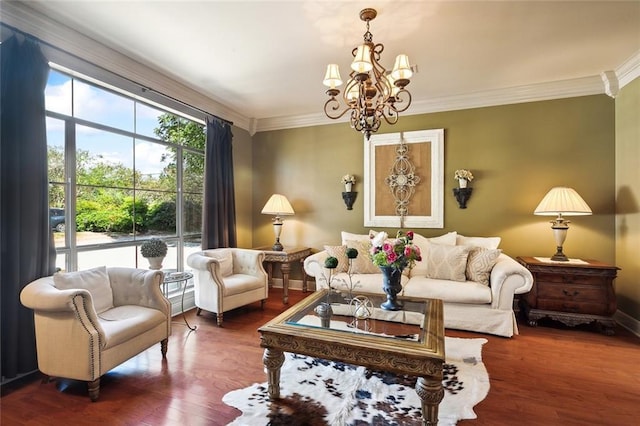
(278,205)
(561,201)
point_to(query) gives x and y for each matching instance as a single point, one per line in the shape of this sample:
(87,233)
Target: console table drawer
(572,293)
(594,280)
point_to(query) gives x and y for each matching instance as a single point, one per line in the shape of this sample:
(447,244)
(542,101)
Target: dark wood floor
(544,376)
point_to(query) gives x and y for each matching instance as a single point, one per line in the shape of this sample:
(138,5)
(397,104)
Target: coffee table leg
(430,391)
(273,360)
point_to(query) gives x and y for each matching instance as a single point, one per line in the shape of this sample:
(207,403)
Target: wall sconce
(349,196)
(463,193)
(561,201)
(278,205)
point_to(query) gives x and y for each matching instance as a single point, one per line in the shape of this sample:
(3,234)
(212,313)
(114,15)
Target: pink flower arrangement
(398,253)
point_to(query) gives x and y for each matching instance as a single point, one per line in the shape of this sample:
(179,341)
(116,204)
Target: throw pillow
(347,236)
(225,261)
(420,268)
(447,262)
(95,280)
(363,263)
(484,242)
(480,263)
(340,253)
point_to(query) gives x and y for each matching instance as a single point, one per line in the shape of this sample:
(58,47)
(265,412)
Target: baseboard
(628,322)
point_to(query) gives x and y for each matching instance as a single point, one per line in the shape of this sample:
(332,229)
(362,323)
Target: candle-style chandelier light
(372,93)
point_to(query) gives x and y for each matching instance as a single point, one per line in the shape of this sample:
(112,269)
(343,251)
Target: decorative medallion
(402,181)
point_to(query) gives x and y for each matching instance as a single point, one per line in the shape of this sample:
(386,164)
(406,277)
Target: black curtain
(26,240)
(219,210)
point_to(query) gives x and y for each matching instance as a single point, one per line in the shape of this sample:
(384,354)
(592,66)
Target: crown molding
(629,70)
(584,86)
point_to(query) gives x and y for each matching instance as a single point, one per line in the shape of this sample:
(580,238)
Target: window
(120,171)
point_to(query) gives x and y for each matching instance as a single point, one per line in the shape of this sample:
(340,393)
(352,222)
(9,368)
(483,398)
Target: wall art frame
(414,161)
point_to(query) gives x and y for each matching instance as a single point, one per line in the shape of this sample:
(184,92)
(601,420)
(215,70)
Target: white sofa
(485,307)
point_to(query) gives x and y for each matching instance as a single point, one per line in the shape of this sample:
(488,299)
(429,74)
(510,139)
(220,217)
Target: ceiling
(266,59)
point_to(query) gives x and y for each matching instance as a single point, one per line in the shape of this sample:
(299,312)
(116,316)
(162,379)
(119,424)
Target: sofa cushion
(95,280)
(340,253)
(363,263)
(448,291)
(484,242)
(480,263)
(420,268)
(225,260)
(447,262)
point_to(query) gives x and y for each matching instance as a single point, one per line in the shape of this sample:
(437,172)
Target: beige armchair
(228,278)
(88,322)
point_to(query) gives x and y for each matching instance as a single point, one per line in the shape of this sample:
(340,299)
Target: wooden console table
(284,258)
(572,293)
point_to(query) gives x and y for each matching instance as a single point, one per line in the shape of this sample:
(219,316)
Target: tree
(181,131)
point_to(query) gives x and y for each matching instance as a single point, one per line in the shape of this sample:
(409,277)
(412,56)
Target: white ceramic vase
(462,182)
(347,187)
(155,262)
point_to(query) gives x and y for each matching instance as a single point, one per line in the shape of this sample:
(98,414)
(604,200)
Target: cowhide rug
(319,392)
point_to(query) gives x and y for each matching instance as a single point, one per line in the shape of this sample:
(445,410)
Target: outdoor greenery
(112,197)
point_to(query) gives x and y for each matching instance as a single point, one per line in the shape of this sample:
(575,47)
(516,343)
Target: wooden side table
(572,293)
(284,258)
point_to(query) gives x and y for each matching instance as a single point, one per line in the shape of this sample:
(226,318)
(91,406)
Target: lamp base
(277,246)
(559,256)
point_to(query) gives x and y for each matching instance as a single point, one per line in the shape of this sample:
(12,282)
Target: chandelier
(372,93)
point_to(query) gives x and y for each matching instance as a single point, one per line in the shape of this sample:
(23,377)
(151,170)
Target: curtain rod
(144,88)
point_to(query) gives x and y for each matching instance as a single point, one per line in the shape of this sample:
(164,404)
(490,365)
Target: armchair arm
(42,295)
(59,314)
(508,277)
(207,271)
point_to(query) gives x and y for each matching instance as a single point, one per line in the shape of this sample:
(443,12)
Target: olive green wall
(628,198)
(243,176)
(516,152)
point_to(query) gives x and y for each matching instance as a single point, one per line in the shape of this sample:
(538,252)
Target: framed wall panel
(404,180)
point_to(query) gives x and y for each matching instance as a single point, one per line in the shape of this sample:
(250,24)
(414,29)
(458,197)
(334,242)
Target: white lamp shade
(332,77)
(562,200)
(278,205)
(401,68)
(362,61)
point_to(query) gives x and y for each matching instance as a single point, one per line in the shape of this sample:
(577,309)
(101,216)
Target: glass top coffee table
(358,331)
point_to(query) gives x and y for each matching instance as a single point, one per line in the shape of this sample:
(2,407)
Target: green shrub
(162,216)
